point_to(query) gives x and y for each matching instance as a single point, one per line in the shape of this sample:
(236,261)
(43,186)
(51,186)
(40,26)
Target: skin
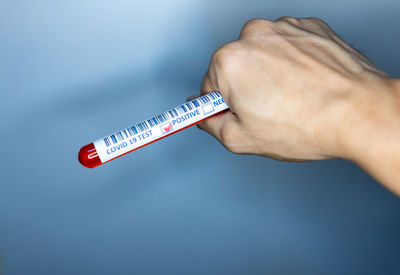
(298,92)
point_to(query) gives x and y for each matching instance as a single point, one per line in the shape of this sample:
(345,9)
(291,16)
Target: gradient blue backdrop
(72,71)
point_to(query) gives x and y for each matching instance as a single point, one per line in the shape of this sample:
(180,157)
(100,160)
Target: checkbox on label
(208,108)
(167,127)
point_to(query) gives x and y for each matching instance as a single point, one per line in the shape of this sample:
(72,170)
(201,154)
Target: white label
(189,113)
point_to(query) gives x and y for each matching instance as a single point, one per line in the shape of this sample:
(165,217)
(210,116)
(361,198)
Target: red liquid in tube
(88,156)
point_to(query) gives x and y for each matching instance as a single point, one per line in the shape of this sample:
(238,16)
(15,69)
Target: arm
(371,135)
(298,92)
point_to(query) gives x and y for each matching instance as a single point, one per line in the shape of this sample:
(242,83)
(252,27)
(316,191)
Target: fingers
(221,125)
(226,129)
(225,66)
(213,124)
(207,85)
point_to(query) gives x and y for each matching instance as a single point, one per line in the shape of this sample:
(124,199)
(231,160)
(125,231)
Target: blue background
(72,71)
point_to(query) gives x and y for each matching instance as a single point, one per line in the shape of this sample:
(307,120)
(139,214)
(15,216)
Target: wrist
(370,132)
(370,110)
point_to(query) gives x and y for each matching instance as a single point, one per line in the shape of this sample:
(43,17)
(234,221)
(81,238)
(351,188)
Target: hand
(294,89)
(298,92)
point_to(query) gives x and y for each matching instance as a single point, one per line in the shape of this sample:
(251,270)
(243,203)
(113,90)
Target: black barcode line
(161,118)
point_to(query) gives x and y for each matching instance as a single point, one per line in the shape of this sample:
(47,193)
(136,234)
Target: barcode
(161,118)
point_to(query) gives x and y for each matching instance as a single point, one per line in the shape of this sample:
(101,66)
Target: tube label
(189,113)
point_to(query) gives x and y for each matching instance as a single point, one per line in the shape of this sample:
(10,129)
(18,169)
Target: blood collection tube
(148,131)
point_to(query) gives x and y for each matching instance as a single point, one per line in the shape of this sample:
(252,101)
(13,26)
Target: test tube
(148,131)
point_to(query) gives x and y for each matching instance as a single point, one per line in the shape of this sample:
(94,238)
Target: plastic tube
(148,131)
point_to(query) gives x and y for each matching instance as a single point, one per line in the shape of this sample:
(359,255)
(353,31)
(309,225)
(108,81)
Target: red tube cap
(88,156)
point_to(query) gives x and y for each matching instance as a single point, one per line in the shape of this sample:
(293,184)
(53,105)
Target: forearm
(372,132)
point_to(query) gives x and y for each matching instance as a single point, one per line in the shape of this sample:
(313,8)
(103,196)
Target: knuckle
(287,23)
(287,19)
(255,26)
(228,56)
(315,20)
(317,25)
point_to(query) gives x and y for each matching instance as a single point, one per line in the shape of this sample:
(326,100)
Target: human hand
(294,88)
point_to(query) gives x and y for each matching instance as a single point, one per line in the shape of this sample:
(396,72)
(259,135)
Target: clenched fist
(298,92)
